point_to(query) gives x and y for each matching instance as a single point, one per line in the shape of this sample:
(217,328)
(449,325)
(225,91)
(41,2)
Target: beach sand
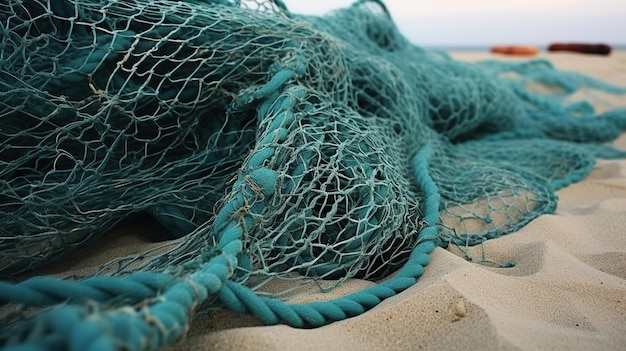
(566,292)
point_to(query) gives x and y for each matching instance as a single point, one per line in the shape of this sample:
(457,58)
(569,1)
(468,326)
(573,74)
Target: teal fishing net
(270,146)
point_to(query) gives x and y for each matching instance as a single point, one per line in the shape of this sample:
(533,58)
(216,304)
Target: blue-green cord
(151,327)
(271,311)
(166,320)
(45,291)
(176,303)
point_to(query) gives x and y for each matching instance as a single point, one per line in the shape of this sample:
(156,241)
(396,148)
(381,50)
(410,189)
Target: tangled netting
(271,146)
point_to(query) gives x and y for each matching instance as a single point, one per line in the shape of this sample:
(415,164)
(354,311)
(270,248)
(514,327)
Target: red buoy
(594,49)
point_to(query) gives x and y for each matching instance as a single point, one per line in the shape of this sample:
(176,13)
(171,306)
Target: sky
(445,23)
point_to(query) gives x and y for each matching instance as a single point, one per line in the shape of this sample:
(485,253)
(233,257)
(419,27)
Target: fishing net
(271,146)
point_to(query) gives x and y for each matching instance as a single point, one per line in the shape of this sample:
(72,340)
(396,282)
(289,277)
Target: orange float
(594,49)
(516,50)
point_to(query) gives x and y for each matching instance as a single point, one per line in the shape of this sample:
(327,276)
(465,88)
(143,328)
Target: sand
(566,292)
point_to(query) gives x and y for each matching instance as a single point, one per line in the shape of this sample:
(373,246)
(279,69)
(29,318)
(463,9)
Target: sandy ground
(566,292)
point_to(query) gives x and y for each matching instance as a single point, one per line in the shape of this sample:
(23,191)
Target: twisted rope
(163,321)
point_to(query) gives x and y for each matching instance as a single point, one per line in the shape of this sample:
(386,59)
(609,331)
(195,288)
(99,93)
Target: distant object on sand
(594,49)
(516,50)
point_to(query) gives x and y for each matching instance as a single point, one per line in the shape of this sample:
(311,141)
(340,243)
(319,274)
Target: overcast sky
(488,22)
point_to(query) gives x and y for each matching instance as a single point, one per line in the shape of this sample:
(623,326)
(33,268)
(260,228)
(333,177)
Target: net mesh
(297,135)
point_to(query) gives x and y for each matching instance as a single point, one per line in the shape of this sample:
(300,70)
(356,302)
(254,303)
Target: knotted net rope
(271,146)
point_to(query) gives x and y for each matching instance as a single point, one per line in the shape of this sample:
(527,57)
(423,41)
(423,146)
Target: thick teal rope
(46,291)
(166,319)
(271,311)
(161,321)
(109,329)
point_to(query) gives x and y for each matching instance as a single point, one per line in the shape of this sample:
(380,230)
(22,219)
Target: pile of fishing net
(270,146)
